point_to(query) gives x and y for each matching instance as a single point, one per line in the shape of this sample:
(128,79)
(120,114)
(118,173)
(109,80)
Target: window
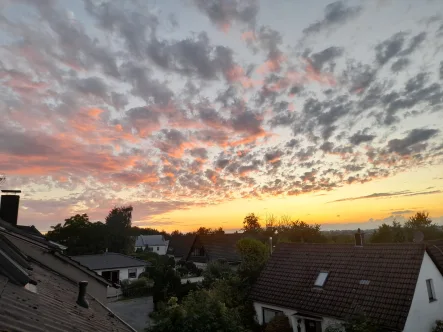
(158,248)
(431,291)
(132,273)
(198,252)
(321,279)
(268,314)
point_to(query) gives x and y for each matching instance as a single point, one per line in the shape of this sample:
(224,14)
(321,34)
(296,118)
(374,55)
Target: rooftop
(150,240)
(377,279)
(36,298)
(52,308)
(109,261)
(223,246)
(180,245)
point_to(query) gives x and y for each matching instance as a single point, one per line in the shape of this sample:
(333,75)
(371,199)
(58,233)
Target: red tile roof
(378,280)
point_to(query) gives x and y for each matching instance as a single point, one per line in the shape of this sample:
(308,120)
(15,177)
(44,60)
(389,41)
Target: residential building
(207,248)
(153,243)
(43,290)
(398,286)
(180,246)
(35,298)
(113,266)
(50,255)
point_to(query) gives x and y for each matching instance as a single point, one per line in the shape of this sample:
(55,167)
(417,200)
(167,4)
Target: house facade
(114,267)
(152,243)
(207,248)
(180,246)
(398,286)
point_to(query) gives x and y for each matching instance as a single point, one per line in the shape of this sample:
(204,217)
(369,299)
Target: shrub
(136,288)
(183,271)
(438,327)
(279,323)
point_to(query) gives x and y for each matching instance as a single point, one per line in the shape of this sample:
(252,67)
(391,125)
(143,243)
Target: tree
(254,255)
(389,234)
(215,271)
(299,231)
(251,223)
(201,311)
(422,223)
(80,235)
(118,222)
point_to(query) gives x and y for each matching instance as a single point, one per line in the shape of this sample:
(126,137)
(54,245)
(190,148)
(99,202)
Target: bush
(136,288)
(335,328)
(215,271)
(183,271)
(279,323)
(438,327)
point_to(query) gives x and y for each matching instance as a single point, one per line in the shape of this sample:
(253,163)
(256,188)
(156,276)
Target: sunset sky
(198,112)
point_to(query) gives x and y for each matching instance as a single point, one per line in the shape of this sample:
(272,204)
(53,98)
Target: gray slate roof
(109,261)
(150,240)
(389,273)
(53,308)
(180,245)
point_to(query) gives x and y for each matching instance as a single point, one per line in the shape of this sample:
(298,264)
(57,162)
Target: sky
(198,112)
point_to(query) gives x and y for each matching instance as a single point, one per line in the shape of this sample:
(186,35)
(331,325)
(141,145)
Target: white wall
(161,250)
(325,321)
(124,272)
(423,314)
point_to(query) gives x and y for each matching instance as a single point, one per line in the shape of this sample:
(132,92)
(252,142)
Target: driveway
(134,311)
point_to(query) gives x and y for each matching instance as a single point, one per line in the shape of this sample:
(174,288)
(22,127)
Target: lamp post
(270,240)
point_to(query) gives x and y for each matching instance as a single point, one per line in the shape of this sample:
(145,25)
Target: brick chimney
(359,238)
(10,201)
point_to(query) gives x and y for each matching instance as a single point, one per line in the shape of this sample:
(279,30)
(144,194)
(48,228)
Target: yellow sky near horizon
(319,207)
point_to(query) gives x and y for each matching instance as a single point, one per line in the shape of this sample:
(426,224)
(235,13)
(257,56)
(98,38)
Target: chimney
(81,301)
(10,201)
(359,236)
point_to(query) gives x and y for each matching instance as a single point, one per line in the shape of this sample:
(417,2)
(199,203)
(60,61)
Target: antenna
(418,237)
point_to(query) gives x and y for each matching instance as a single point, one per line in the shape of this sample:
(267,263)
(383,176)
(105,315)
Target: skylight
(321,279)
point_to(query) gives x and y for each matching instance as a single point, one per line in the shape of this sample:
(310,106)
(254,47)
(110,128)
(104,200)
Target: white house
(154,243)
(398,286)
(113,266)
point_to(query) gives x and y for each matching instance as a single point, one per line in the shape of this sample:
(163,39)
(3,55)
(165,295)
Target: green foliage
(389,234)
(215,271)
(136,288)
(280,323)
(298,231)
(201,311)
(420,222)
(360,323)
(251,224)
(167,281)
(335,328)
(80,235)
(438,327)
(118,222)
(254,255)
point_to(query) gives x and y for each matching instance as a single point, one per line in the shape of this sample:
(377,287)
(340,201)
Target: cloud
(425,193)
(361,137)
(413,142)
(335,14)
(222,13)
(325,56)
(404,193)
(401,212)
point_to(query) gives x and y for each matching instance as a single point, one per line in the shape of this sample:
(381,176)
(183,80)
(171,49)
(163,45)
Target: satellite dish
(418,236)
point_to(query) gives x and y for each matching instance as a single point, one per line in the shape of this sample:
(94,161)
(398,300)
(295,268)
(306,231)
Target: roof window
(321,279)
